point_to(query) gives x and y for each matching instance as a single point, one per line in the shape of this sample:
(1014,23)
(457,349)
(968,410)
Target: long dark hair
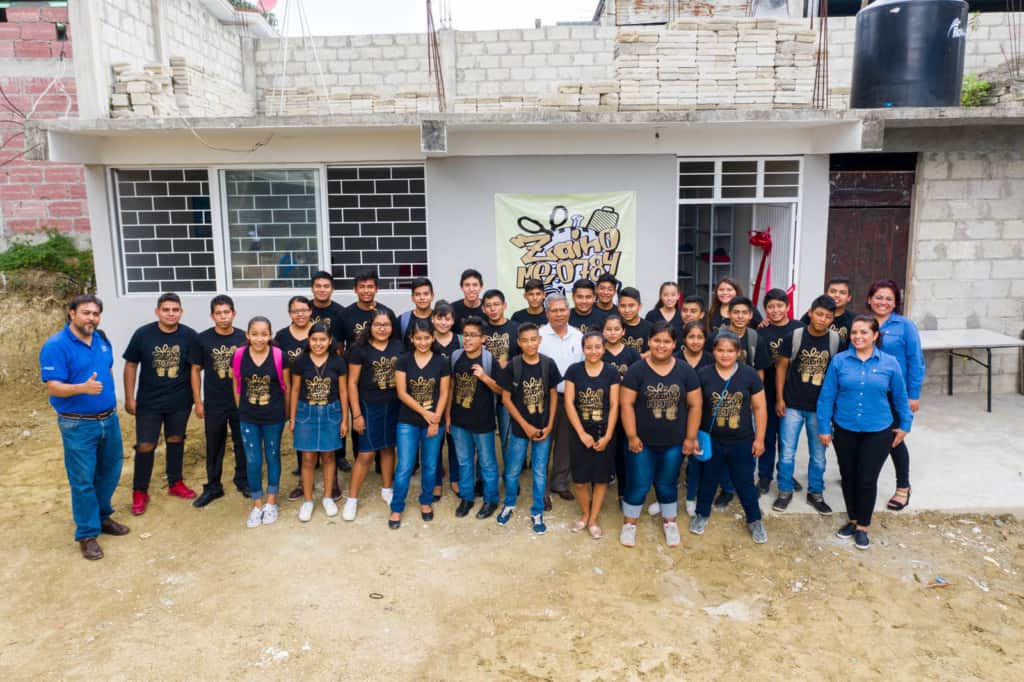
(689,327)
(364,338)
(871,322)
(716,305)
(259,319)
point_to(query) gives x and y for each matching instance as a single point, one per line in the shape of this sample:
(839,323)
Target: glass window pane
(739,167)
(782,191)
(781,179)
(696,166)
(789,166)
(695,192)
(739,192)
(272,226)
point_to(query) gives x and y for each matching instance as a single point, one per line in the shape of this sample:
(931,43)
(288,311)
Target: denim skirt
(317,427)
(381,421)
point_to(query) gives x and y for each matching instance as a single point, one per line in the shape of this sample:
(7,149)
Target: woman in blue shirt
(899,338)
(855,403)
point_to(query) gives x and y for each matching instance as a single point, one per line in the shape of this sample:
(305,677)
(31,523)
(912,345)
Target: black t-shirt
(626,358)
(532,395)
(319,383)
(591,322)
(717,321)
(540,319)
(841,324)
(635,336)
(472,400)
(734,420)
(422,383)
(448,348)
(290,346)
(462,311)
(706,359)
(331,316)
(804,377)
(660,404)
(262,400)
(164,376)
(502,340)
(355,321)
(773,336)
(377,376)
(410,319)
(655,315)
(761,359)
(214,352)
(592,398)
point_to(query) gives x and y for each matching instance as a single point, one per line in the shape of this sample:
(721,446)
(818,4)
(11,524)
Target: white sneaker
(255,518)
(269,514)
(628,535)
(671,534)
(306,511)
(349,512)
(691,508)
(386,494)
(330,508)
(654,509)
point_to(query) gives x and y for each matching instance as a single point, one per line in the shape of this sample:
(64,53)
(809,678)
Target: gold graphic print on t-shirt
(318,389)
(636,344)
(813,364)
(622,370)
(360,328)
(222,361)
(498,345)
(663,401)
(729,412)
(465,389)
(590,404)
(842,331)
(294,354)
(422,391)
(384,373)
(257,390)
(773,349)
(167,360)
(533,395)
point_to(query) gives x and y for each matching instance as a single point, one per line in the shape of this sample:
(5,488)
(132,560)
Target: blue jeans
(504,426)
(468,444)
(694,472)
(262,441)
(93,454)
(737,458)
(659,466)
(772,439)
(790,432)
(515,458)
(413,440)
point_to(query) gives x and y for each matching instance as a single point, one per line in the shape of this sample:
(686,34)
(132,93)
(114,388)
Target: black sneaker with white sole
(763,486)
(817,500)
(847,532)
(723,500)
(782,501)
(797,488)
(861,539)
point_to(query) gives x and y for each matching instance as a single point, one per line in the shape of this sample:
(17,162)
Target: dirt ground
(193,593)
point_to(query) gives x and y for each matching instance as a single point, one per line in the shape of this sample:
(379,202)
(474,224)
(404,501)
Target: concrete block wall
(126,31)
(968,259)
(201,39)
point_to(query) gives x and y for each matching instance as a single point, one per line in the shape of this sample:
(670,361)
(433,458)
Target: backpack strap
(404,321)
(278,357)
(488,360)
(798,337)
(236,367)
(517,370)
(833,343)
(751,347)
(545,369)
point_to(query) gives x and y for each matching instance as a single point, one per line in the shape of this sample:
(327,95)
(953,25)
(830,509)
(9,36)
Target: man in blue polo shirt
(76,365)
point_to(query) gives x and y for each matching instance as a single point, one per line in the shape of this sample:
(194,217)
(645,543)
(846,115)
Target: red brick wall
(37,195)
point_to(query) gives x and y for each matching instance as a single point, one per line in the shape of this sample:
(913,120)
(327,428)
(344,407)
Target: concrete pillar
(92,76)
(449,58)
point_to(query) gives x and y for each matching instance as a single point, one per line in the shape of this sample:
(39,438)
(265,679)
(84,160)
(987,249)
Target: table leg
(949,377)
(989,366)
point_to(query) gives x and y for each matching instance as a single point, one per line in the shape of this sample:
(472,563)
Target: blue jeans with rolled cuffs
(412,441)
(790,430)
(262,441)
(736,457)
(515,458)
(657,465)
(479,447)
(93,455)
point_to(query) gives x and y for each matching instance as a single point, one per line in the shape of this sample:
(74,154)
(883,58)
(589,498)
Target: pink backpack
(236,366)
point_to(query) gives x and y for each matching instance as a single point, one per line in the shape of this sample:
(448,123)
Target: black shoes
(394,525)
(721,502)
(547,503)
(782,501)
(478,489)
(763,486)
(817,500)
(208,495)
(847,531)
(465,506)
(861,539)
(797,488)
(565,495)
(344,465)
(427,516)
(487,510)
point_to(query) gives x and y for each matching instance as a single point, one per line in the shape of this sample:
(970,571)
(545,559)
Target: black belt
(87,417)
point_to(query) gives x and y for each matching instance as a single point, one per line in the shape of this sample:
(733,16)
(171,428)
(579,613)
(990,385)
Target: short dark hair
(321,274)
(82,299)
(613,317)
(663,326)
(170,296)
(533,285)
(420,325)
(592,334)
(473,321)
(872,323)
(527,327)
(885,284)
(609,278)
(221,299)
(775,295)
(320,328)
(421,282)
(443,308)
(825,302)
(630,292)
(470,272)
(299,299)
(695,324)
(583,284)
(727,336)
(741,300)
(493,293)
(699,300)
(838,280)
(365,276)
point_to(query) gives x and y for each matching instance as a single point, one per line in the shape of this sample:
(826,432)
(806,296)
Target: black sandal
(896,505)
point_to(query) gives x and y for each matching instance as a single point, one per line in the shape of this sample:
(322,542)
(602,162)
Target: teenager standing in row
(584,315)
(637,329)
(293,341)
(667,309)
(500,339)
(621,357)
(694,353)
(725,290)
(533,292)
(472,284)
(605,288)
(446,342)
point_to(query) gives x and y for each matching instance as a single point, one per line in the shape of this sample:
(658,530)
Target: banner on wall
(560,238)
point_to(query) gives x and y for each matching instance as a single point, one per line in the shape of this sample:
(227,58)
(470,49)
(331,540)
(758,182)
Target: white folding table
(953,340)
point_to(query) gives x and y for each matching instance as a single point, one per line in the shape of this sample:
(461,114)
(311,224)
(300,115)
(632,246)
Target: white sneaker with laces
(306,511)
(255,518)
(628,535)
(691,508)
(654,509)
(349,511)
(330,508)
(386,494)
(671,534)
(269,514)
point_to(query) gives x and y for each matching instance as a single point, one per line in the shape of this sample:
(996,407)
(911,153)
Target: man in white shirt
(563,344)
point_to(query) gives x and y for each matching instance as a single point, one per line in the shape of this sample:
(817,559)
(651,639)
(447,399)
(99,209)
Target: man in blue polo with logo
(76,365)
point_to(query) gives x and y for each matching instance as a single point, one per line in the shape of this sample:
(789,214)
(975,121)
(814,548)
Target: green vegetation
(975,91)
(57,255)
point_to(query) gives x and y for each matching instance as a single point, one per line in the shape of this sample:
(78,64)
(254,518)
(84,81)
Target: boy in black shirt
(583,315)
(534,312)
(804,357)
(210,358)
(471,282)
(500,340)
(422,308)
(637,330)
(692,309)
(838,289)
(605,289)
(322,307)
(356,317)
(157,356)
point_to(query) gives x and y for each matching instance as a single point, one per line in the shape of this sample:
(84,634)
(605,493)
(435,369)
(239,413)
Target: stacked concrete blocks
(142,93)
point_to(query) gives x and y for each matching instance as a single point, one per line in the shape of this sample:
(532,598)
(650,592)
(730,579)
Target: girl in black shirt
(292,340)
(692,350)
(667,309)
(621,357)
(374,402)
(726,290)
(736,416)
(261,396)
(446,342)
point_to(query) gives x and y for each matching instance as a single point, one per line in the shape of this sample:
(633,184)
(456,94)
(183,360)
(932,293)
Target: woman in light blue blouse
(899,338)
(863,387)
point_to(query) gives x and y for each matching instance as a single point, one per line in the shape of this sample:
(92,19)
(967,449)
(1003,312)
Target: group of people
(588,388)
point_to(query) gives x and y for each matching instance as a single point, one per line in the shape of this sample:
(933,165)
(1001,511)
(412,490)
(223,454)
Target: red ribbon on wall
(762,239)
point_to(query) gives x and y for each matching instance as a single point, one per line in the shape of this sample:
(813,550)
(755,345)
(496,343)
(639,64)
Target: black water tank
(909,53)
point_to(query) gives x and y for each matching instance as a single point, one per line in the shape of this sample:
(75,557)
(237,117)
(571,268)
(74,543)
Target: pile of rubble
(181,89)
(143,93)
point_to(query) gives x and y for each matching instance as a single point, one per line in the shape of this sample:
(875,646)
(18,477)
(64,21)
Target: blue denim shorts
(381,421)
(317,427)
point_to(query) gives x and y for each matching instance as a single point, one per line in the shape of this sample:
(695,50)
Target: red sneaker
(181,490)
(139,502)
